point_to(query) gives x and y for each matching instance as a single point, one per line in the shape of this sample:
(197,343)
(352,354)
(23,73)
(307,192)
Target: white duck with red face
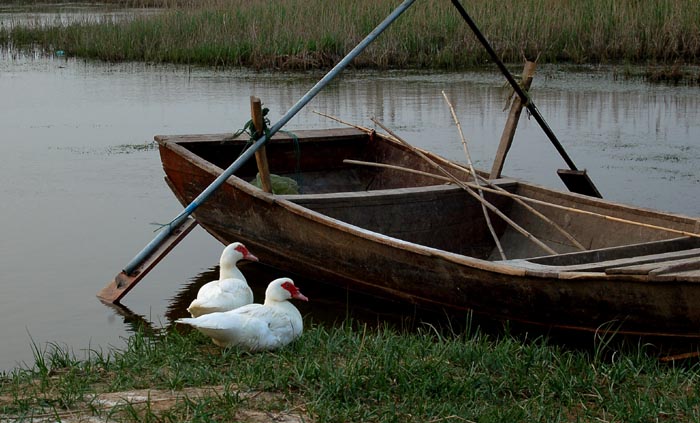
(256,327)
(231,290)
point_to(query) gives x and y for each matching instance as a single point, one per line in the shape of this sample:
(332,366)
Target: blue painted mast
(167,230)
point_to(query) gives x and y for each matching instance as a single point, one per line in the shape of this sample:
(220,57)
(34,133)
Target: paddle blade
(578,181)
(123,283)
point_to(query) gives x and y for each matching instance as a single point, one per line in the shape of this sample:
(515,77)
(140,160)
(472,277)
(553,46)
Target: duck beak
(300,296)
(250,257)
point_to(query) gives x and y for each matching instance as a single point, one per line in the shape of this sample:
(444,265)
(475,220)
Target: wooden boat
(415,238)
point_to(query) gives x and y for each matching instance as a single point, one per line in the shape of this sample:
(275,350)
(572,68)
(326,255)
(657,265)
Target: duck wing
(254,327)
(224,295)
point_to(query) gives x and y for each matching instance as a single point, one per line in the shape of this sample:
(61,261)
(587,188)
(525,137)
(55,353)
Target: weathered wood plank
(680,266)
(609,266)
(260,155)
(619,252)
(516,109)
(307,134)
(692,276)
(663,265)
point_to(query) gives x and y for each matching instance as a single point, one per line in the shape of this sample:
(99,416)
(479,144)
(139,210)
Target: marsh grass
(302,34)
(357,373)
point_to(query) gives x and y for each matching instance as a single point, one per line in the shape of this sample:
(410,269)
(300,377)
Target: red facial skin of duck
(294,291)
(246,254)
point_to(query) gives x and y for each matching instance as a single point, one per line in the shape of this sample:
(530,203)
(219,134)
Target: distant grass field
(303,34)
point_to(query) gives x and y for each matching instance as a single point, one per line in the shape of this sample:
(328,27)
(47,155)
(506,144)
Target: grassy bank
(354,374)
(302,34)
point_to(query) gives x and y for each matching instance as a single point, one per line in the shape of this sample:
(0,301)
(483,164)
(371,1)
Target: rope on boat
(249,128)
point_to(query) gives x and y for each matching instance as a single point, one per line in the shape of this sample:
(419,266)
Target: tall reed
(315,33)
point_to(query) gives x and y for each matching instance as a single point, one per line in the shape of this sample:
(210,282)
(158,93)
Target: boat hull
(286,234)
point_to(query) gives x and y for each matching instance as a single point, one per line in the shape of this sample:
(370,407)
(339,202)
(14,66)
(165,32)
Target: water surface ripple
(82,185)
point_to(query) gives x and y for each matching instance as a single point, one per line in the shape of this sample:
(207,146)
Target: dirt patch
(101,408)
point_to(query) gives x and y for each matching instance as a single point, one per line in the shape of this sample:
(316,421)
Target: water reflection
(328,304)
(135,322)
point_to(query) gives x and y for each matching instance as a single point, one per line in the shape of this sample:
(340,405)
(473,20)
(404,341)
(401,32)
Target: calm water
(82,184)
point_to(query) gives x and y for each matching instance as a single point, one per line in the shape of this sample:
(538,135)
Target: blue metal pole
(166,231)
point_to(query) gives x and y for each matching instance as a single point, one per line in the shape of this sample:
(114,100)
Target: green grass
(356,373)
(302,34)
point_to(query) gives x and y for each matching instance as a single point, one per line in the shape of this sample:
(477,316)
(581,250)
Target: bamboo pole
(476,180)
(471,192)
(339,120)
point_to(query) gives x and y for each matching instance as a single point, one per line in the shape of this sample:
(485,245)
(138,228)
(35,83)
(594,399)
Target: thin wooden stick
(339,120)
(580,211)
(534,211)
(535,201)
(495,189)
(471,192)
(476,180)
(527,207)
(400,168)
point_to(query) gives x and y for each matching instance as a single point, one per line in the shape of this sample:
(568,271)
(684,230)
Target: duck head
(233,253)
(283,289)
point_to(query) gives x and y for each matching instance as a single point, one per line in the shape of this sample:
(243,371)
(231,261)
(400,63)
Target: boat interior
(578,231)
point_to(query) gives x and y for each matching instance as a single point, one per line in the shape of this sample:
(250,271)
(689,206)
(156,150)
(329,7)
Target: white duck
(231,290)
(256,327)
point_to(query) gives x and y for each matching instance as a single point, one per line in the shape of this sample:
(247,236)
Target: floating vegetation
(132,148)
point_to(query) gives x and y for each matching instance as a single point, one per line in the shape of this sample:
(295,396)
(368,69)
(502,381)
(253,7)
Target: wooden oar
(470,191)
(576,180)
(476,180)
(163,242)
